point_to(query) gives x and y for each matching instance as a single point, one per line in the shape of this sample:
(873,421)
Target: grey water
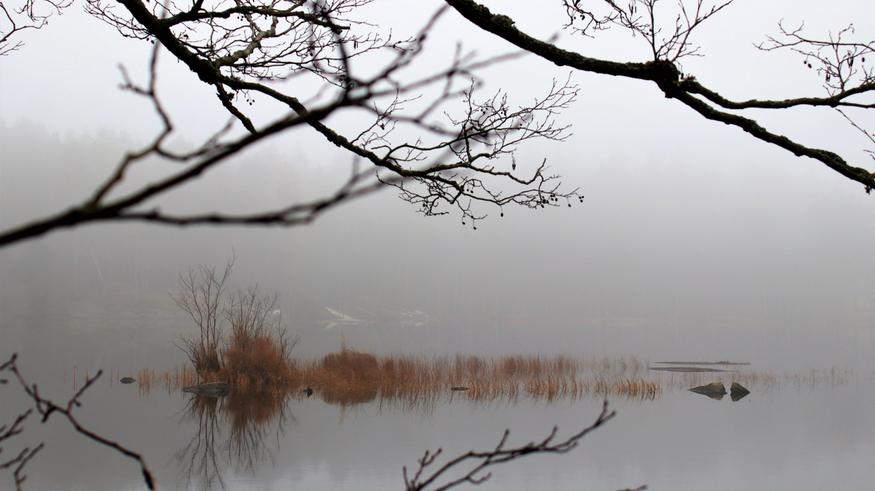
(793,438)
(785,435)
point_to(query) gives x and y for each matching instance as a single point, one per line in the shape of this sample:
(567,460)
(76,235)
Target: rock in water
(714,390)
(127,380)
(738,391)
(212,389)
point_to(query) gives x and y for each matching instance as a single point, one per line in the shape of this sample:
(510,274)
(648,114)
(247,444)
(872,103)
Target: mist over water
(693,242)
(782,282)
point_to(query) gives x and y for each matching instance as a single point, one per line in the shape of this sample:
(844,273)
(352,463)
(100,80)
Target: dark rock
(459,388)
(738,391)
(211,389)
(127,380)
(714,390)
(308,391)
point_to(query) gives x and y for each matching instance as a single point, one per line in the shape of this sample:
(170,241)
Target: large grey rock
(211,389)
(738,391)
(127,380)
(714,390)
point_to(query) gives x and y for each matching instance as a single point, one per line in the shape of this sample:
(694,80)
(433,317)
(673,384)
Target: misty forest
(433,245)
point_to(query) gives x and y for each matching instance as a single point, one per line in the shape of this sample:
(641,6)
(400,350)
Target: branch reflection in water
(239,431)
(244,428)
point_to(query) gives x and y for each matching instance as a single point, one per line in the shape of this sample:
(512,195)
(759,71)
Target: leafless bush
(259,348)
(240,336)
(201,295)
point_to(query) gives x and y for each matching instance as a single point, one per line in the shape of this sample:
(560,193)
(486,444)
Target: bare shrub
(240,335)
(259,350)
(201,296)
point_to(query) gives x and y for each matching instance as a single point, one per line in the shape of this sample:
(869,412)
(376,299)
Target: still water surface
(785,437)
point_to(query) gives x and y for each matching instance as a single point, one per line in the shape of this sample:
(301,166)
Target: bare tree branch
(840,62)
(240,52)
(23,16)
(470,467)
(464,161)
(669,42)
(665,73)
(45,408)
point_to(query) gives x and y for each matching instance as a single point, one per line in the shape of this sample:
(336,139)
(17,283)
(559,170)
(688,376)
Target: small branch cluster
(18,462)
(272,40)
(45,408)
(840,62)
(668,41)
(29,15)
(479,154)
(471,467)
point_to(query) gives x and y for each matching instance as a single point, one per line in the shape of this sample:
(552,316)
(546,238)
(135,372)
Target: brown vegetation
(345,377)
(348,377)
(256,355)
(259,352)
(240,340)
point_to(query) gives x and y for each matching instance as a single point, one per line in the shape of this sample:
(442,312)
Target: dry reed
(349,377)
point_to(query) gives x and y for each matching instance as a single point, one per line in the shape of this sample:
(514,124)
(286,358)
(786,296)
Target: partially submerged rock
(738,391)
(714,390)
(127,380)
(211,389)
(459,388)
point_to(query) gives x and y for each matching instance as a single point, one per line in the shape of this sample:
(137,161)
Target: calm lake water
(785,437)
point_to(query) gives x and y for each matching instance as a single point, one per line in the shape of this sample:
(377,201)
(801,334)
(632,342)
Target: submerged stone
(738,391)
(211,389)
(714,390)
(127,380)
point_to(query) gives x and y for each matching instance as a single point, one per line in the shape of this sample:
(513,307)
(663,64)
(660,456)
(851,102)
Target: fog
(694,240)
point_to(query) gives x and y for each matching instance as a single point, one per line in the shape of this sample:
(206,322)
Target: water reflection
(198,459)
(237,431)
(243,429)
(239,436)
(289,441)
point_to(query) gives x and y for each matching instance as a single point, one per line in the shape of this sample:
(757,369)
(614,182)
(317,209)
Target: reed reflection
(238,431)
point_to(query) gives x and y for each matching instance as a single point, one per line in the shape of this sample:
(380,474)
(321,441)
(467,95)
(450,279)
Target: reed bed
(348,377)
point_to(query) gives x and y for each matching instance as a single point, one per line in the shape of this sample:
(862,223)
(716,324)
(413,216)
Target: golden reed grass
(349,377)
